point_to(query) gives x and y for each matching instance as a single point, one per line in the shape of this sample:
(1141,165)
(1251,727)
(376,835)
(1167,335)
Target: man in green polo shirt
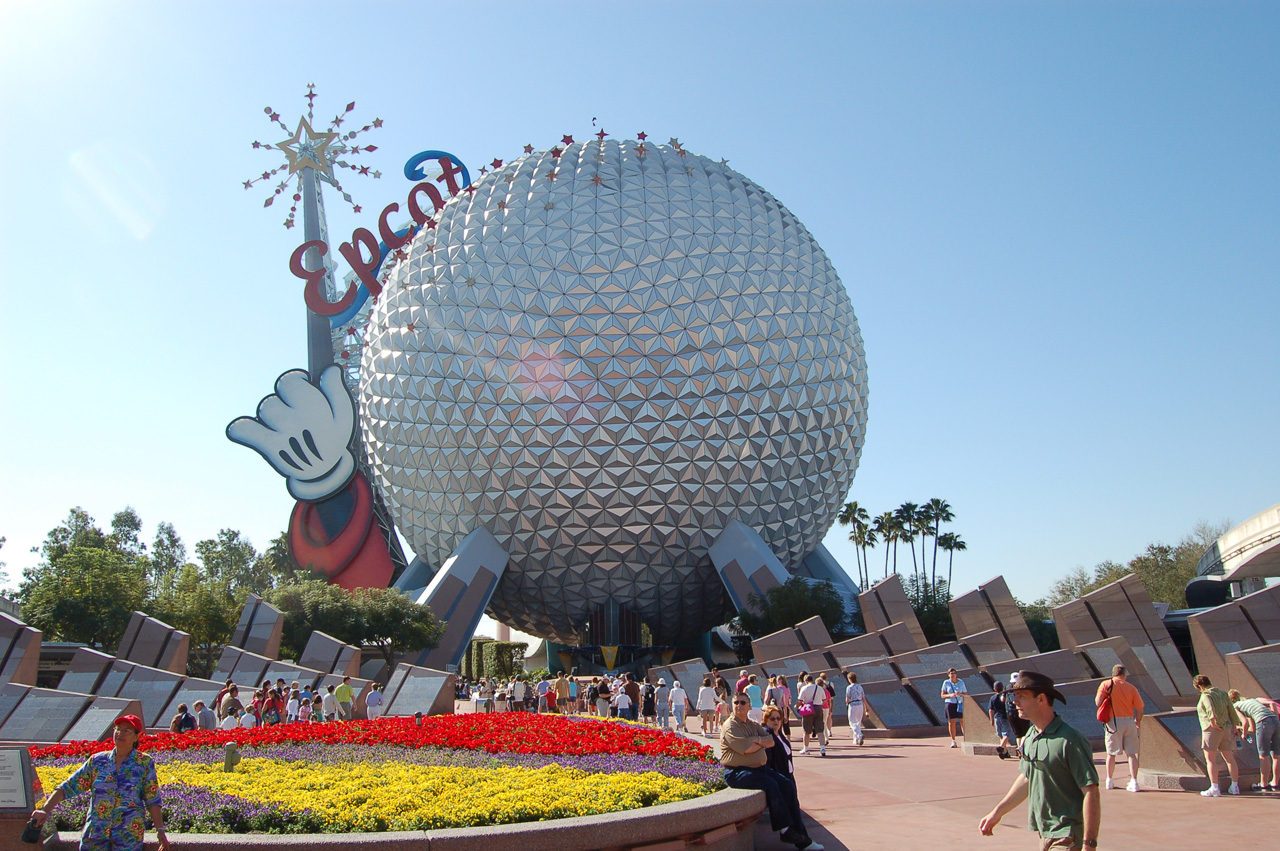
(346,699)
(1056,773)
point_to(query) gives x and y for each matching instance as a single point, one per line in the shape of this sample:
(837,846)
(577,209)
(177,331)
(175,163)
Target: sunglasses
(742,703)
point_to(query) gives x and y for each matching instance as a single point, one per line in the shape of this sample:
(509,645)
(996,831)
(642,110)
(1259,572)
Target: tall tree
(886,526)
(856,516)
(126,532)
(78,530)
(204,608)
(939,512)
(168,552)
(906,516)
(395,624)
(87,594)
(232,559)
(952,543)
(278,564)
(863,536)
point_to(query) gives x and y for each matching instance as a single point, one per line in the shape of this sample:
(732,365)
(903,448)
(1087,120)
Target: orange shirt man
(1122,731)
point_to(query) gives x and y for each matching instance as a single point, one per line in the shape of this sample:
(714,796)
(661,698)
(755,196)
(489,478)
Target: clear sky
(1058,224)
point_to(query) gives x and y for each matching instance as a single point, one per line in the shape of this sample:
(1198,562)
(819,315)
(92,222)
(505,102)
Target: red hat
(130,721)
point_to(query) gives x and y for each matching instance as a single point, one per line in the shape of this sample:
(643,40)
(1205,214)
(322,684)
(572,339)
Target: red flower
(512,732)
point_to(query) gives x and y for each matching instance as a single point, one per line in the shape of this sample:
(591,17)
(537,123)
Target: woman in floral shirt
(123,782)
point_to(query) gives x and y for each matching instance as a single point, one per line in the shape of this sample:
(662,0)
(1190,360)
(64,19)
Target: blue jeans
(779,794)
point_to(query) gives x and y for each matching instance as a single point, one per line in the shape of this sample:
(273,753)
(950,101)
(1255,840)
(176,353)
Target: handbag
(1104,708)
(804,709)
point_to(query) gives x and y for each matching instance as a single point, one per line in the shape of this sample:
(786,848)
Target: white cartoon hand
(303,431)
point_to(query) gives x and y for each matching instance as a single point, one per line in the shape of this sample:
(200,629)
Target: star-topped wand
(313,156)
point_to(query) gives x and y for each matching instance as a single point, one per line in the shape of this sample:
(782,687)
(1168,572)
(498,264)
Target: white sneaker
(1233,789)
(1212,792)
(1132,787)
(1110,785)
(804,751)
(823,752)
(953,744)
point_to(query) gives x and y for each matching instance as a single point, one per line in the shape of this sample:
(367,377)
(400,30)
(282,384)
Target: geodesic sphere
(602,357)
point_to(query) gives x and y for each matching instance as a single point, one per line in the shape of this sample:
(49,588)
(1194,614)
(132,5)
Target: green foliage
(790,603)
(536,675)
(1164,569)
(314,604)
(394,623)
(78,530)
(382,617)
(4,577)
(126,529)
(89,583)
(473,667)
(1039,618)
(87,594)
(168,553)
(503,658)
(232,560)
(931,604)
(205,609)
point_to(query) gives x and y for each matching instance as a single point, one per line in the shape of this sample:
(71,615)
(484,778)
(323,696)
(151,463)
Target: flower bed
(391,774)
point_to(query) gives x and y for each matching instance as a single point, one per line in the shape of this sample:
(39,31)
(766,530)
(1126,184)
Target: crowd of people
(276,703)
(664,705)
(752,720)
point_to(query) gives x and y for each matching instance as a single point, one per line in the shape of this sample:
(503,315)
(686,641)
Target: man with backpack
(183,722)
(1120,711)
(998,712)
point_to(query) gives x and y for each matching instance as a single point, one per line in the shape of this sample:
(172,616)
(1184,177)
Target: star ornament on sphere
(308,149)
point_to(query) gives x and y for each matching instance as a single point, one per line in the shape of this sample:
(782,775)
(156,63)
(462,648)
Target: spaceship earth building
(603,354)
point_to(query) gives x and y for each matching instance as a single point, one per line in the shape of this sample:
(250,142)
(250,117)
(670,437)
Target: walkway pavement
(919,793)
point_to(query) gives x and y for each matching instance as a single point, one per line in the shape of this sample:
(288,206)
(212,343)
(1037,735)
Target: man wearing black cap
(1057,773)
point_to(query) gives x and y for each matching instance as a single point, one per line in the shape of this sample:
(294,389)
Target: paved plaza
(919,793)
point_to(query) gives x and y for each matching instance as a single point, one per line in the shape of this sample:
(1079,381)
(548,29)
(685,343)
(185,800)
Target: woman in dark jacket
(780,753)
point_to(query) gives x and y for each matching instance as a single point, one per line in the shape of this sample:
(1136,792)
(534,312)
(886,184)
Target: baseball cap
(131,721)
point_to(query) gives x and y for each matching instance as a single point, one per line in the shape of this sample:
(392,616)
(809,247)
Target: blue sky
(1057,223)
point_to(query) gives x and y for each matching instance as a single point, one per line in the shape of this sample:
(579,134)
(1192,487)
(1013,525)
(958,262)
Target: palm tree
(939,513)
(863,536)
(951,542)
(924,524)
(886,526)
(906,516)
(856,516)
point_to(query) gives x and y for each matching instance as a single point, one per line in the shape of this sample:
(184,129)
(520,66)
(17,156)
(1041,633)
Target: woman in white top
(373,703)
(707,706)
(679,703)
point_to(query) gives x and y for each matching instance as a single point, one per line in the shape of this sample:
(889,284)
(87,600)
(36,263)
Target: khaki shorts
(1060,842)
(1217,740)
(1123,741)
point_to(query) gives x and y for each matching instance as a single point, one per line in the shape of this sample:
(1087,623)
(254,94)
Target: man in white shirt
(853,698)
(518,694)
